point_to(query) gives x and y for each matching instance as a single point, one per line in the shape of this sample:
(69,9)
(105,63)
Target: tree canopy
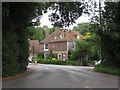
(107,27)
(82,28)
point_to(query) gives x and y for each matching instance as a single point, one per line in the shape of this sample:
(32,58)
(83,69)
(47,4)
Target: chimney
(46,33)
(57,28)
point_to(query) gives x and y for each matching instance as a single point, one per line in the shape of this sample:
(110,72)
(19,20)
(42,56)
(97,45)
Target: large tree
(82,28)
(16,18)
(82,51)
(107,25)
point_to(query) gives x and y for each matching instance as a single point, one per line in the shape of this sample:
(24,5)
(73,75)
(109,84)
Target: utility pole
(101,32)
(33,50)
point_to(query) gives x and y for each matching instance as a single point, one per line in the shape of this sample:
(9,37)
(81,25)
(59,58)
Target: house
(59,42)
(34,47)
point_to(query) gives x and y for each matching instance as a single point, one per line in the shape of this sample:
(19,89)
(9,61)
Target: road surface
(61,76)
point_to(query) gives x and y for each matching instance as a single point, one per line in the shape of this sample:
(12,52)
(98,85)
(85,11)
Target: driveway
(61,76)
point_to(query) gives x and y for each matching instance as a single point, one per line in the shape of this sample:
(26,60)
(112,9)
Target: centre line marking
(74,78)
(87,81)
(87,87)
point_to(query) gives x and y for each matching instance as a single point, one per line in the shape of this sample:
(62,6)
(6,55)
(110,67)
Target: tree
(16,18)
(107,27)
(51,30)
(82,51)
(94,42)
(36,33)
(82,28)
(65,13)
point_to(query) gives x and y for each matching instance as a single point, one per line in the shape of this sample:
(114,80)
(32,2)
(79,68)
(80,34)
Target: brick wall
(58,46)
(41,47)
(34,45)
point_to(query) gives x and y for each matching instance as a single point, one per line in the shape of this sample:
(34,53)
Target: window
(53,46)
(45,46)
(30,48)
(55,37)
(59,56)
(73,45)
(61,36)
(78,37)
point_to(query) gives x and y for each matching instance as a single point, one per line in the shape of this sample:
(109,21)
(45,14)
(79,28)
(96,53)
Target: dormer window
(78,37)
(55,37)
(61,36)
(45,46)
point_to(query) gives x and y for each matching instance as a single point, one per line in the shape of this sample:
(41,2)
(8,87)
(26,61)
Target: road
(61,76)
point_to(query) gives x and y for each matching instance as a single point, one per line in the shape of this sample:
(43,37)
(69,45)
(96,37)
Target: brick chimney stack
(46,33)
(57,28)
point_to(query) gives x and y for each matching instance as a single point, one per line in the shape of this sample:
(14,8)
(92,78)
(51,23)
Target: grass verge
(107,69)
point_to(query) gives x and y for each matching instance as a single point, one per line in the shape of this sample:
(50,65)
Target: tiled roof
(33,41)
(50,37)
(67,36)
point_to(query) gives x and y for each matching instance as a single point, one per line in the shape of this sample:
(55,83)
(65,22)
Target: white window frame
(60,56)
(55,37)
(78,37)
(73,45)
(61,36)
(45,47)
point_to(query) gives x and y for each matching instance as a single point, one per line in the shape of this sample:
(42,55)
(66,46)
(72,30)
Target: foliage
(36,33)
(16,18)
(82,28)
(51,30)
(94,42)
(91,38)
(106,26)
(58,62)
(107,69)
(65,13)
(50,55)
(82,50)
(40,55)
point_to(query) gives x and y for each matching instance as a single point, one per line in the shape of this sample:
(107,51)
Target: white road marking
(87,87)
(74,78)
(46,68)
(87,81)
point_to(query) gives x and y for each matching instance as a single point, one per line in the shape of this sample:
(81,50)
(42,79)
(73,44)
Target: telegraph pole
(33,50)
(101,32)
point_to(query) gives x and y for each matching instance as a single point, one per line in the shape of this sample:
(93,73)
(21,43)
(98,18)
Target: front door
(59,56)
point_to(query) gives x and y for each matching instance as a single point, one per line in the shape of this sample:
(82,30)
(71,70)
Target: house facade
(59,42)
(34,47)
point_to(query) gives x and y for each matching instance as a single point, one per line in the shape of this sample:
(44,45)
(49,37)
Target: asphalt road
(60,76)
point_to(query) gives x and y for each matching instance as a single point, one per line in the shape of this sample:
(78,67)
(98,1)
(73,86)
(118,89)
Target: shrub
(40,55)
(58,62)
(106,69)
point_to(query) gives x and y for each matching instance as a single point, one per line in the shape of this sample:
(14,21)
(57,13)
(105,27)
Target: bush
(58,62)
(91,62)
(51,55)
(40,55)
(106,69)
